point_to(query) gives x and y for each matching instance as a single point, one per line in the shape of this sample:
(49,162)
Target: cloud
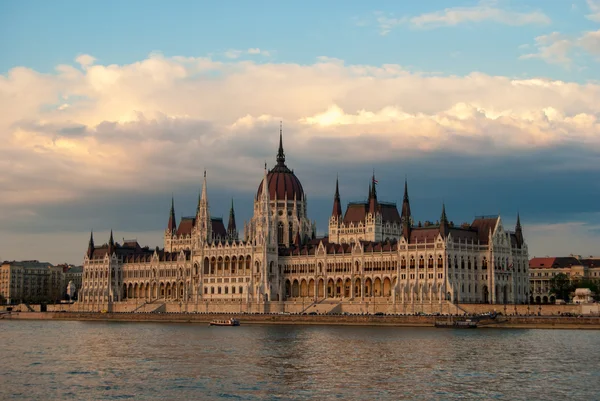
(256,50)
(253,51)
(583,238)
(483,11)
(594,6)
(85,60)
(553,48)
(590,41)
(233,54)
(132,134)
(557,48)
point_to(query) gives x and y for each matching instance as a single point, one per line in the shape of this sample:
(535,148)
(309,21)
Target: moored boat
(457,324)
(228,322)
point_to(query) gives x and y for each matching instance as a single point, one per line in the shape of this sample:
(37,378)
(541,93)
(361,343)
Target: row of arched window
(223,290)
(220,265)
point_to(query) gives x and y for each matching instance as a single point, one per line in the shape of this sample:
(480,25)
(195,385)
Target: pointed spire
(444,218)
(374,181)
(406,216)
(91,246)
(231,227)
(172,225)
(373,195)
(204,198)
(337,205)
(444,226)
(111,243)
(280,154)
(519,232)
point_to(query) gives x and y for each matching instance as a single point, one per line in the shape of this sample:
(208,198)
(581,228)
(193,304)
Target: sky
(110,108)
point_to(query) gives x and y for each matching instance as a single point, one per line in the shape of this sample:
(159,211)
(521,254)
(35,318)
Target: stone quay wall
(530,322)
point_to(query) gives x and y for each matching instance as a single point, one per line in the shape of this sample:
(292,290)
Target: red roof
(426,234)
(282,183)
(553,262)
(218,228)
(186,225)
(483,227)
(356,212)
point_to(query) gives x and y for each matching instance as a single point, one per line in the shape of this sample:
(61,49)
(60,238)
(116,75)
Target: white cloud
(256,50)
(553,48)
(233,54)
(556,48)
(594,6)
(483,11)
(253,51)
(590,41)
(85,60)
(161,120)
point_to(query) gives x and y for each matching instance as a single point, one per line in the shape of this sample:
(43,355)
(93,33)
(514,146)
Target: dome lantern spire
(280,154)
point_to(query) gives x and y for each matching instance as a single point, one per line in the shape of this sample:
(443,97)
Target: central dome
(281,181)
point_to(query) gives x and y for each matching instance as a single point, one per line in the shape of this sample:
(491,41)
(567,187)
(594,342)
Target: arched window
(440,262)
(484,263)
(241,290)
(430,264)
(218,290)
(403,263)
(280,233)
(462,262)
(291,233)
(421,262)
(226,290)
(412,262)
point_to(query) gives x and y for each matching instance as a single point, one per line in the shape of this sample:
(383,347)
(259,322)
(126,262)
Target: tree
(561,287)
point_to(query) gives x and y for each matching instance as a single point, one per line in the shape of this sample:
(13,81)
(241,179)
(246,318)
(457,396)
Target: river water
(51,360)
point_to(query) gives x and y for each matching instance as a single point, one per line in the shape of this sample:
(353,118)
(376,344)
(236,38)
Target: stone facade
(576,267)
(31,281)
(374,253)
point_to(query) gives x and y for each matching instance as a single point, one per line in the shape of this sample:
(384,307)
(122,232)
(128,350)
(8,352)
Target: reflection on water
(96,360)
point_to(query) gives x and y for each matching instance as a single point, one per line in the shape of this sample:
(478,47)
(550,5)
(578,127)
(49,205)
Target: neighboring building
(73,274)
(31,281)
(541,271)
(374,252)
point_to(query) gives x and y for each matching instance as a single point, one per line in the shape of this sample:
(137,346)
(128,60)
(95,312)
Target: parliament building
(375,258)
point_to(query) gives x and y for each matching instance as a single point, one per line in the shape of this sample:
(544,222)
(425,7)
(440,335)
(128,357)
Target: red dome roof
(282,184)
(281,180)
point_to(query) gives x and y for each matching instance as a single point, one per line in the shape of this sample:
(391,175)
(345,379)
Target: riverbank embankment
(521,322)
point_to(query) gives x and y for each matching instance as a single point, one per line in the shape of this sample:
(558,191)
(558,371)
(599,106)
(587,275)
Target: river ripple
(49,360)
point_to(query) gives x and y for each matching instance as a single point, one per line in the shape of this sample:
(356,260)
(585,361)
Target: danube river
(50,360)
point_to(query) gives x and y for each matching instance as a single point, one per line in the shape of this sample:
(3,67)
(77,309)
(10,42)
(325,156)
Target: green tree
(561,287)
